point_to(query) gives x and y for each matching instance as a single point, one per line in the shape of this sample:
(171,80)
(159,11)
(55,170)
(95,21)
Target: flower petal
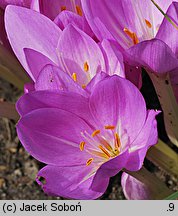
(52,135)
(116,101)
(134,189)
(36,36)
(76,49)
(147,137)
(97,78)
(23,3)
(155,55)
(51,8)
(36,61)
(53,78)
(67,17)
(116,15)
(166,27)
(29,87)
(109,169)
(134,74)
(70,102)
(69,182)
(113,58)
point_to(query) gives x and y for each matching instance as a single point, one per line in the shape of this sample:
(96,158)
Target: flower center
(146,26)
(102,146)
(75,8)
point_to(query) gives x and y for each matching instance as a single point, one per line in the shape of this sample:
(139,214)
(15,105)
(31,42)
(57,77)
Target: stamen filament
(89,161)
(95,133)
(97,153)
(104,151)
(106,144)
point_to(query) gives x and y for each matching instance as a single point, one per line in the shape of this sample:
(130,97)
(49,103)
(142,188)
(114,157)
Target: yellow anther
(117,141)
(82,144)
(148,23)
(89,161)
(109,127)
(95,133)
(86,67)
(79,10)
(104,151)
(83,86)
(132,35)
(74,77)
(63,8)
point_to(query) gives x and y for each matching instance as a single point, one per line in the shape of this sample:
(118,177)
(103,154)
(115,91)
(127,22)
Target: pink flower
(86,140)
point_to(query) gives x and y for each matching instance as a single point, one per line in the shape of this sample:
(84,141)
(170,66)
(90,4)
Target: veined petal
(97,78)
(70,102)
(36,61)
(69,182)
(36,36)
(76,48)
(155,55)
(113,58)
(53,78)
(67,17)
(52,136)
(166,27)
(134,189)
(126,14)
(147,137)
(109,169)
(116,101)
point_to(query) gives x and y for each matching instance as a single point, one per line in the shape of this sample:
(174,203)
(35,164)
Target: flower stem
(164,157)
(7,110)
(11,70)
(165,15)
(168,103)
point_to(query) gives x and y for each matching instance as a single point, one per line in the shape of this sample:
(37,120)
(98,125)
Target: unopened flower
(84,141)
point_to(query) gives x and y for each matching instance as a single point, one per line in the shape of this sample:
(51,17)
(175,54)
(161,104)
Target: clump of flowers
(80,115)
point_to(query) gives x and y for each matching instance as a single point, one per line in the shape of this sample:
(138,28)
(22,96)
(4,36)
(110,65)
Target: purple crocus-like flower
(51,56)
(63,12)
(86,140)
(134,26)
